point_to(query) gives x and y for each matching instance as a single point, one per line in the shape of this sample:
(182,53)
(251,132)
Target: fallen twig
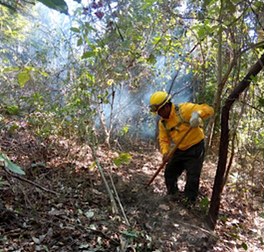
(184,223)
(29,181)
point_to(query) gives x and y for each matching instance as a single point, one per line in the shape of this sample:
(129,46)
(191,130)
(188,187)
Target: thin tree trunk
(224,141)
(220,84)
(217,103)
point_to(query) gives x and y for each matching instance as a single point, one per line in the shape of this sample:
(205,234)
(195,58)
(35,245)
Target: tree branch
(224,142)
(29,181)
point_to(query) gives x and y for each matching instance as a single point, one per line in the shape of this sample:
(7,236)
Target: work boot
(172,190)
(171,194)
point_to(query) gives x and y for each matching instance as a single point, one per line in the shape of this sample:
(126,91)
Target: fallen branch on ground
(29,182)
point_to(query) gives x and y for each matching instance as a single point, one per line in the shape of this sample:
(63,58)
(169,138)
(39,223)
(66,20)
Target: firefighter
(175,121)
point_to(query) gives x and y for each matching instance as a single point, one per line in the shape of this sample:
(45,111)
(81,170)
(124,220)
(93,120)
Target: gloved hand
(195,120)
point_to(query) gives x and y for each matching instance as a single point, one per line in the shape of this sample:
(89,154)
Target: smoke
(131,108)
(130,112)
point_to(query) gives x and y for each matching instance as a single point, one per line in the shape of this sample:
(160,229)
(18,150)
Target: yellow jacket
(177,124)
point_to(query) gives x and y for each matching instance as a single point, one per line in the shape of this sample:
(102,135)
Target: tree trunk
(220,83)
(224,140)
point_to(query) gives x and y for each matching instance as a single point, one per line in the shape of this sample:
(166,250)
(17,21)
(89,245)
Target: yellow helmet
(158,100)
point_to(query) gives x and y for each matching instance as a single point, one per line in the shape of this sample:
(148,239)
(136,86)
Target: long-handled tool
(169,157)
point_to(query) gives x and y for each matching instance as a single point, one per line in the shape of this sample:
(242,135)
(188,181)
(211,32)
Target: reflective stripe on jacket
(177,124)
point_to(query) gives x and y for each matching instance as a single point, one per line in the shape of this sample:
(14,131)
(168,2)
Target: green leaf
(44,73)
(74,29)
(230,7)
(148,3)
(130,234)
(11,5)
(10,165)
(244,246)
(151,59)
(125,130)
(88,55)
(58,5)
(10,69)
(201,32)
(253,78)
(123,158)
(23,77)
(260,102)
(204,204)
(12,110)
(79,42)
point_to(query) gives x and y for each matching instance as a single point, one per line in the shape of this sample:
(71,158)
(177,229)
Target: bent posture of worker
(181,124)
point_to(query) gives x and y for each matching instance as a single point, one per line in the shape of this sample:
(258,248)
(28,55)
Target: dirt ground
(62,204)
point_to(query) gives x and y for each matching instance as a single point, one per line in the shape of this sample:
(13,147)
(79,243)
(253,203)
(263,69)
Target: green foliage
(67,122)
(244,246)
(60,79)
(10,165)
(12,110)
(11,26)
(58,5)
(204,204)
(43,124)
(34,102)
(123,158)
(24,73)
(129,233)
(206,95)
(12,5)
(74,119)
(12,128)
(134,36)
(261,102)
(23,77)
(124,130)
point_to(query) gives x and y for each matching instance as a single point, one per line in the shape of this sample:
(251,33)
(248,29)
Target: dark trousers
(191,161)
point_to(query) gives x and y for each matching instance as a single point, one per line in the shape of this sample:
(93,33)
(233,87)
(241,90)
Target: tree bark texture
(224,141)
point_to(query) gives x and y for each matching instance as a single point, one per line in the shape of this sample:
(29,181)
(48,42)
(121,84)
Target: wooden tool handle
(169,157)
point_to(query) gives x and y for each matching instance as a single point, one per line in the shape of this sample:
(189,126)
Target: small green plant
(204,204)
(244,246)
(124,130)
(130,234)
(7,163)
(12,110)
(123,158)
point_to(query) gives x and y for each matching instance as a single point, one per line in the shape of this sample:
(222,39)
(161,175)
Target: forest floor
(62,204)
